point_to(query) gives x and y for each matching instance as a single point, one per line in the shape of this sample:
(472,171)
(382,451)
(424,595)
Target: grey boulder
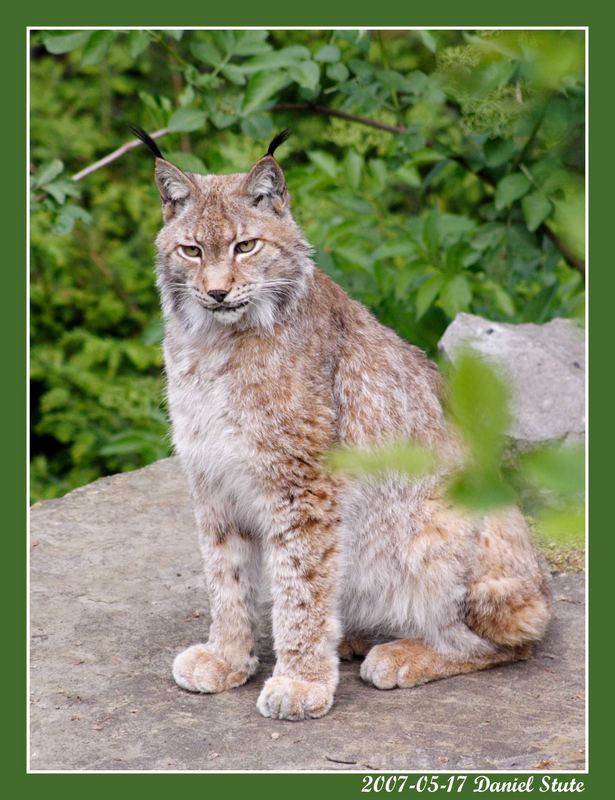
(545,367)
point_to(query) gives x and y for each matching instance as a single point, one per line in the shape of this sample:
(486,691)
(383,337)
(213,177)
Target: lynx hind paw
(197,670)
(402,664)
(380,668)
(283,697)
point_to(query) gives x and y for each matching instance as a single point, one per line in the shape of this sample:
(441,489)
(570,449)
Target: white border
(358,773)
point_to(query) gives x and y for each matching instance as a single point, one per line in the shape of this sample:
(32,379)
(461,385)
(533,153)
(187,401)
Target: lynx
(269,365)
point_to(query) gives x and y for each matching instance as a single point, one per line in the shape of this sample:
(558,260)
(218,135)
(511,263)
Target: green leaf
(410,175)
(337,72)
(257,126)
(503,300)
(429,40)
(509,189)
(138,41)
(207,52)
(415,82)
(56,398)
(260,89)
(481,489)
(562,524)
(324,161)
(225,40)
(431,231)
(67,42)
(67,218)
(186,98)
(454,228)
(97,47)
(328,54)
(536,208)
(187,119)
(498,151)
(148,100)
(48,172)
(559,469)
(56,190)
(394,80)
(427,293)
(391,249)
(355,256)
(306,74)
(249,43)
(378,168)
(488,236)
(234,74)
(479,404)
(456,296)
(353,165)
(405,457)
(276,59)
(362,69)
(569,221)
(188,162)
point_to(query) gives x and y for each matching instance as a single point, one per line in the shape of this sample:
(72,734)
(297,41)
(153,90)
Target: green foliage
(475,205)
(405,457)
(478,404)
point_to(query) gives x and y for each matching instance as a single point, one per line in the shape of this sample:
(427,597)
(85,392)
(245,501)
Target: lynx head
(229,252)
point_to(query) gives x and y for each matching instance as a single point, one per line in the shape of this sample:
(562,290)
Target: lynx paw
(388,666)
(292,698)
(199,671)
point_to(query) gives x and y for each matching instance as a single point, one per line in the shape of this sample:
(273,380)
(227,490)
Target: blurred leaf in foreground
(405,457)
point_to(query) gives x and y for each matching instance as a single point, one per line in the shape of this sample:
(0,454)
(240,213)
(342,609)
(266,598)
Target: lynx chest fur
(215,447)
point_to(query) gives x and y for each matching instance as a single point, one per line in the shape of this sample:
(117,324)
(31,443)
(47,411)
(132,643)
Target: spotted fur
(269,364)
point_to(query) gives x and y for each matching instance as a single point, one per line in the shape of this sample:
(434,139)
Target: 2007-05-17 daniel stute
(478,783)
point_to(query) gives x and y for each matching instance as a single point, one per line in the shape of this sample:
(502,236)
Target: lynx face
(230,252)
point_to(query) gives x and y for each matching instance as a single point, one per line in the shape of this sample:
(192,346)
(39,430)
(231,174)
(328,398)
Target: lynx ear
(265,183)
(174,186)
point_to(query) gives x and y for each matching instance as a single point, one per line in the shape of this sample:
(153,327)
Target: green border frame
(286,14)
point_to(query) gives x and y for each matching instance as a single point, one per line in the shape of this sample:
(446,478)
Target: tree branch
(574,261)
(335,112)
(125,148)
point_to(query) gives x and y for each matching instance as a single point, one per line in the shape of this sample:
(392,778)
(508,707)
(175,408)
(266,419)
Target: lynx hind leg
(409,662)
(508,601)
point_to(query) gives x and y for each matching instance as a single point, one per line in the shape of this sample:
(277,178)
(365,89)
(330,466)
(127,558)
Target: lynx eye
(246,247)
(190,251)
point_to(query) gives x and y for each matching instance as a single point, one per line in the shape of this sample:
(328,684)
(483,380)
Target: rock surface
(116,591)
(546,368)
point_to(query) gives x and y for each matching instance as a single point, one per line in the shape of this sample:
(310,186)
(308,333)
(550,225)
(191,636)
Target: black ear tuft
(147,140)
(277,141)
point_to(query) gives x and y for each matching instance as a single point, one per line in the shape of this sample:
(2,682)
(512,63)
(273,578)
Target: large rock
(117,590)
(546,368)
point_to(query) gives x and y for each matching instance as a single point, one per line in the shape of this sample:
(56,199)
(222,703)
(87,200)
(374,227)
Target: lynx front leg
(302,557)
(231,560)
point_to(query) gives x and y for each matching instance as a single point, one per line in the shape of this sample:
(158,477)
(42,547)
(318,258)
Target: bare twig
(335,112)
(125,148)
(340,760)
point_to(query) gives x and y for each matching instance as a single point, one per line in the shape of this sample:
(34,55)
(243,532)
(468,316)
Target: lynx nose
(218,294)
